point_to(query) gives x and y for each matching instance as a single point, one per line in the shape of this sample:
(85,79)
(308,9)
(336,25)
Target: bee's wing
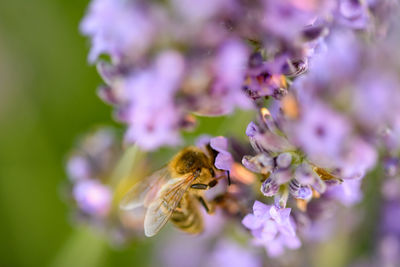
(145,191)
(160,210)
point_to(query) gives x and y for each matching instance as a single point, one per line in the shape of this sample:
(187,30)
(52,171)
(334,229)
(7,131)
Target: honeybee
(175,192)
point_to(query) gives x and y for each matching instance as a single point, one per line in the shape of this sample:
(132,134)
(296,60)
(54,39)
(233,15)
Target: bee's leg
(212,183)
(209,207)
(199,186)
(204,186)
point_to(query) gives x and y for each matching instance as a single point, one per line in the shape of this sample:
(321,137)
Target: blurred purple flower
(78,168)
(229,253)
(273,228)
(93,197)
(348,193)
(321,133)
(223,78)
(230,67)
(288,18)
(288,170)
(265,78)
(378,90)
(358,158)
(353,13)
(335,61)
(177,248)
(152,114)
(118,28)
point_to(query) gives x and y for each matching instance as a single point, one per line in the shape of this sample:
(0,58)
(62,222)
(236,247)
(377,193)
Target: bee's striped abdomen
(187,216)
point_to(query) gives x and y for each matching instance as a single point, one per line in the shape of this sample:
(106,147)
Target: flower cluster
(272,227)
(321,76)
(93,186)
(284,167)
(89,168)
(169,59)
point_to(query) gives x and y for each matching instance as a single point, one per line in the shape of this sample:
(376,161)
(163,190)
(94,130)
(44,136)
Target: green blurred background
(47,99)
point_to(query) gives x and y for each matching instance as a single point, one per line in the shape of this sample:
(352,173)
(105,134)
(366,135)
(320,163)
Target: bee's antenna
(229,177)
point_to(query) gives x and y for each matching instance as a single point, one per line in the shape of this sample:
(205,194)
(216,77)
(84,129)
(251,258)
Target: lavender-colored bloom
(78,168)
(266,78)
(224,159)
(390,215)
(273,228)
(177,248)
(300,191)
(118,28)
(94,157)
(202,11)
(358,158)
(269,187)
(229,253)
(353,13)
(337,59)
(321,133)
(267,140)
(348,193)
(288,18)
(260,163)
(284,160)
(229,67)
(377,91)
(391,188)
(305,174)
(222,88)
(152,114)
(93,197)
(389,249)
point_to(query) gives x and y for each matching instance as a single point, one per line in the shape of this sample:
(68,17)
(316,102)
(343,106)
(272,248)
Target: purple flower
(273,228)
(177,248)
(78,168)
(335,61)
(379,90)
(230,66)
(267,140)
(353,13)
(118,28)
(224,159)
(358,158)
(348,193)
(229,253)
(202,11)
(288,18)
(287,169)
(93,197)
(220,80)
(391,188)
(321,133)
(266,78)
(153,117)
(389,249)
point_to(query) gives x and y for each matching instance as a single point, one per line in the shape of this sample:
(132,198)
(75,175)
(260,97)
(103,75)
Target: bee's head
(189,160)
